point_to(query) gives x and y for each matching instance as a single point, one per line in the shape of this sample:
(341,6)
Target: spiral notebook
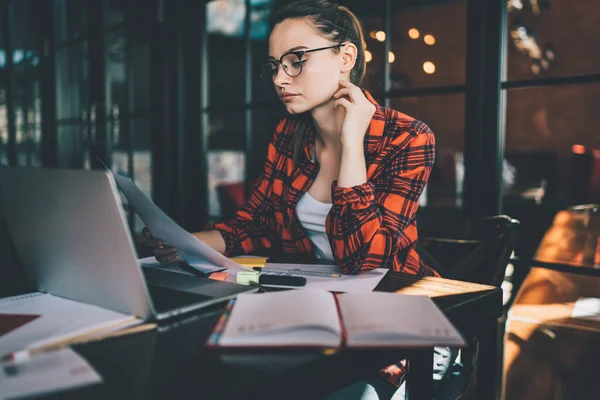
(317,318)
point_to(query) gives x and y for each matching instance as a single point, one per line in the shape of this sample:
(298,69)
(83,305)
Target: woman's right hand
(163,254)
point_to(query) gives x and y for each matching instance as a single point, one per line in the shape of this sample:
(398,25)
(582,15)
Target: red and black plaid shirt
(369,226)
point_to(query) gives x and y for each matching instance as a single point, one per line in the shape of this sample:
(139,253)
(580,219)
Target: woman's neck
(328,123)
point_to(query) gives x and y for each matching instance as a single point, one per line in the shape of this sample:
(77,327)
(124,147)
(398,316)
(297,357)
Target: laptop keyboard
(166,299)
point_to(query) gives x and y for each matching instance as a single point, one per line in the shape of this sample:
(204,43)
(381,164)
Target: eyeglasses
(291,62)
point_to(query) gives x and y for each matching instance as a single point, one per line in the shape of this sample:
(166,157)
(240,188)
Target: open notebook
(316,318)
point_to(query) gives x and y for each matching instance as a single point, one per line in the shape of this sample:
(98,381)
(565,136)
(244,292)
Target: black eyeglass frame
(297,53)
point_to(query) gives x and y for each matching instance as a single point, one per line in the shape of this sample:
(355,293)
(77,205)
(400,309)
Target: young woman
(343,175)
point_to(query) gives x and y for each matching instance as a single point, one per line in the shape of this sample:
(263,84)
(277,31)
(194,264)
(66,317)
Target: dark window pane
(226,130)
(428,45)
(3,115)
(262,91)
(3,128)
(72,81)
(120,162)
(25,35)
(138,59)
(70,19)
(142,157)
(226,17)
(131,138)
(28,123)
(553,40)
(116,11)
(25,79)
(226,68)
(226,73)
(127,73)
(547,128)
(116,71)
(224,168)
(445,115)
(264,121)
(371,18)
(72,148)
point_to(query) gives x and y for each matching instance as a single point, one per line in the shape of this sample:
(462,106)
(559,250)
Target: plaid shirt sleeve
(370,223)
(248,230)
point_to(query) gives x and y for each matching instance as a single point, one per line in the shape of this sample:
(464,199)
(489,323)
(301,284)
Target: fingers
(343,102)
(152,242)
(166,259)
(165,254)
(344,92)
(347,84)
(353,90)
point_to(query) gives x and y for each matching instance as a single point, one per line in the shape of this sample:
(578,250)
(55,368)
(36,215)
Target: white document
(45,373)
(47,319)
(191,249)
(364,282)
(587,308)
(151,262)
(382,319)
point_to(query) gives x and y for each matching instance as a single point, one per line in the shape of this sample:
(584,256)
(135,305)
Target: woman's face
(321,70)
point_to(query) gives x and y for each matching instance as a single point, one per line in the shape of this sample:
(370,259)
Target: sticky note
(244,277)
(250,262)
(219,276)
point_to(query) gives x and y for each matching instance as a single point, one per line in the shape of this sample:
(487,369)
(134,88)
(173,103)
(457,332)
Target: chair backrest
(479,253)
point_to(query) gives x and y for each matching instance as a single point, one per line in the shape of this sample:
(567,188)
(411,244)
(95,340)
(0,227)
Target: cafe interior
(167,93)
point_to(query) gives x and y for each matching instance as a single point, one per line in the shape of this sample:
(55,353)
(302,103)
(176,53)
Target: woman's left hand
(359,111)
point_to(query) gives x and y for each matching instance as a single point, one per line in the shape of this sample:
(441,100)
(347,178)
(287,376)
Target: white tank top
(312,214)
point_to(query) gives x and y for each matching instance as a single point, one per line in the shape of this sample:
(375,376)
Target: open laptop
(70,232)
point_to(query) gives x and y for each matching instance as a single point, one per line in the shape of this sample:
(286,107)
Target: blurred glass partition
(25,82)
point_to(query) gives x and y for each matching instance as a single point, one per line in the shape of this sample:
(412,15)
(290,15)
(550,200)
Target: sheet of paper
(45,373)
(194,251)
(587,308)
(364,282)
(58,319)
(151,262)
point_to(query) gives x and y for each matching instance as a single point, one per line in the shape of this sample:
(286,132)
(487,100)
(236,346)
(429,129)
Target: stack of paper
(48,372)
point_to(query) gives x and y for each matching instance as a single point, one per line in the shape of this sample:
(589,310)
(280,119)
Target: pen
(321,274)
(23,355)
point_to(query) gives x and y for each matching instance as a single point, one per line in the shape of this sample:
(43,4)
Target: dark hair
(336,23)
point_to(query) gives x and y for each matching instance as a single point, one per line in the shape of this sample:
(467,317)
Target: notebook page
(293,318)
(395,320)
(56,319)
